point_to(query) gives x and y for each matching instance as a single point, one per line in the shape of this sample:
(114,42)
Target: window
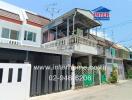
(1,74)
(109,60)
(5,33)
(10,75)
(14,35)
(19,78)
(30,36)
(130,56)
(10,34)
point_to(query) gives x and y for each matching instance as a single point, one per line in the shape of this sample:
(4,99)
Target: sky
(118,28)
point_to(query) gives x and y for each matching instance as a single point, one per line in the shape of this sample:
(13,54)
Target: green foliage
(103,76)
(114,75)
(129,74)
(102,71)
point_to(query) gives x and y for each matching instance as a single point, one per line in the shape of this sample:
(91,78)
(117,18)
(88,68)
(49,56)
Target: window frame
(9,35)
(3,34)
(17,33)
(26,36)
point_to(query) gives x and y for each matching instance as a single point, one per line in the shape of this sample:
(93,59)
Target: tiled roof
(115,46)
(122,47)
(37,19)
(8,14)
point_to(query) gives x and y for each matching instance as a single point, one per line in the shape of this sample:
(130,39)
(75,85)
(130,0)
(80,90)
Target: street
(120,91)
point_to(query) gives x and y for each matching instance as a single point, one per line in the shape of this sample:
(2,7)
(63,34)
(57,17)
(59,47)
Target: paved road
(121,91)
(118,92)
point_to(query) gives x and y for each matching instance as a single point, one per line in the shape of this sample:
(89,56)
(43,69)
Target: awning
(88,15)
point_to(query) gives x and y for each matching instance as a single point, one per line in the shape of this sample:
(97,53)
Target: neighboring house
(19,26)
(71,32)
(20,42)
(128,63)
(115,59)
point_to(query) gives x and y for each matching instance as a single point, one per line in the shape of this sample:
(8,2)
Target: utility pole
(104,32)
(113,39)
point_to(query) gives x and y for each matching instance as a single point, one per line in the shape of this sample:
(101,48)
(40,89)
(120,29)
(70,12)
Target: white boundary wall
(15,90)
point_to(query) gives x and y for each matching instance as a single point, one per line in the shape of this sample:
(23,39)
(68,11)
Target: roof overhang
(89,16)
(86,13)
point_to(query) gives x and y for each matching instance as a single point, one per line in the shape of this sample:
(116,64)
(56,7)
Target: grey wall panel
(46,85)
(69,78)
(50,80)
(60,80)
(42,81)
(33,82)
(65,80)
(66,60)
(56,80)
(39,82)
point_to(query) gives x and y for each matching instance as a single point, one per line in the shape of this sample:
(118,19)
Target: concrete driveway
(120,91)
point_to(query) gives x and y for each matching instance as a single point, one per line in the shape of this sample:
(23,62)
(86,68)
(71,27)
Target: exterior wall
(34,29)
(10,25)
(15,90)
(110,52)
(116,63)
(22,28)
(66,60)
(100,50)
(90,60)
(80,48)
(114,57)
(123,54)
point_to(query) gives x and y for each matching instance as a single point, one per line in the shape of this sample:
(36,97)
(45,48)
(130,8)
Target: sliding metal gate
(47,80)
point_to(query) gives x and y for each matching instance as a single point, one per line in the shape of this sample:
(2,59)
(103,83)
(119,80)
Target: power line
(120,42)
(120,24)
(116,26)
(52,10)
(124,41)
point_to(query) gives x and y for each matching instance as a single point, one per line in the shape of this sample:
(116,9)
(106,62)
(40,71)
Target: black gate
(45,81)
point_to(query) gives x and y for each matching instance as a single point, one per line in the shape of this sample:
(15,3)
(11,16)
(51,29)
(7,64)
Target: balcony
(9,41)
(74,43)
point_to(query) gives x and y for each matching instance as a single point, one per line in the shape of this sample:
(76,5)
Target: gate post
(73,77)
(99,76)
(93,75)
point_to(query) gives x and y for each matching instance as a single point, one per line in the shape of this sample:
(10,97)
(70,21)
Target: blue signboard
(101,13)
